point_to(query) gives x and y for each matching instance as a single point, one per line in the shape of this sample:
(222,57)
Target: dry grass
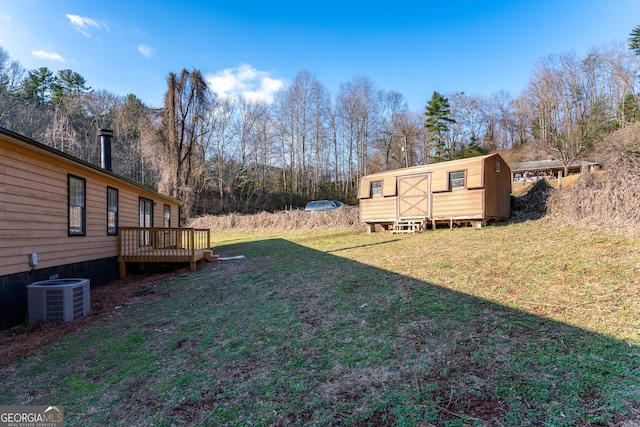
(609,200)
(521,188)
(345,217)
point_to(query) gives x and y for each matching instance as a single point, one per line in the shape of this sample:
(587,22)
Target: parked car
(322,205)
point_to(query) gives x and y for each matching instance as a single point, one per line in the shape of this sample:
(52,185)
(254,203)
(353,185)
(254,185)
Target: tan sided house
(471,191)
(61,217)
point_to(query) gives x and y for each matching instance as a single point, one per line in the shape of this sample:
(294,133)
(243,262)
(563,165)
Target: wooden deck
(138,244)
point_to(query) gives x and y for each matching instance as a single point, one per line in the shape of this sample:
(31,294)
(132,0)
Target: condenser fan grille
(78,301)
(54,301)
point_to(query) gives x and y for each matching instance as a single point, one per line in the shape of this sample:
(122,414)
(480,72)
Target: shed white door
(414,196)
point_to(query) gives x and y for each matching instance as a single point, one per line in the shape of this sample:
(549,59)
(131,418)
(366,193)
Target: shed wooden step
(407,226)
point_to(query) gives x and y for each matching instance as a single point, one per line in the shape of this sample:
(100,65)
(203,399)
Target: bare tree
(609,73)
(183,126)
(300,128)
(358,110)
(409,134)
(132,151)
(505,128)
(302,113)
(569,113)
(11,77)
(470,124)
(287,147)
(520,128)
(320,137)
(248,124)
(223,135)
(61,135)
(393,106)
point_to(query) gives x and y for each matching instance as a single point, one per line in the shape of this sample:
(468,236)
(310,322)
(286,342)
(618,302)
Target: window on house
(146,220)
(167,216)
(146,212)
(77,209)
(456,179)
(112,211)
(498,165)
(376,188)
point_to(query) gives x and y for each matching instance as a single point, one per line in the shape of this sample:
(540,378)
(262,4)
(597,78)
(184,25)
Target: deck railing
(143,242)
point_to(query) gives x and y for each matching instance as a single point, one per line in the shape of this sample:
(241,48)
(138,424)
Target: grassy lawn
(513,325)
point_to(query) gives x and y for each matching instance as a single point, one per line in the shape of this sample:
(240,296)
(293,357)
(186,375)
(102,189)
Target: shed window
(112,211)
(376,188)
(456,179)
(77,206)
(498,165)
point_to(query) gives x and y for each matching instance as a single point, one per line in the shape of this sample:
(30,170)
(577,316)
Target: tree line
(219,154)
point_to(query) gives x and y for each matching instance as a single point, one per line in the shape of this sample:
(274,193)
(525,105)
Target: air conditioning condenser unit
(58,299)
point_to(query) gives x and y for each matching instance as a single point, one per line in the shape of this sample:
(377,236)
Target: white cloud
(83,24)
(245,81)
(145,51)
(47,55)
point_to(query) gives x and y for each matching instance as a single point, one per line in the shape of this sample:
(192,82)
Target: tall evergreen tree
(634,40)
(38,85)
(67,84)
(437,123)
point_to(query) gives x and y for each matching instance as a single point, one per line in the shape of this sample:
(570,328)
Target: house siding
(34,215)
(34,211)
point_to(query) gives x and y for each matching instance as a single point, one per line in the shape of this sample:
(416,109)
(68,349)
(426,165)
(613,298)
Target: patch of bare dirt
(24,340)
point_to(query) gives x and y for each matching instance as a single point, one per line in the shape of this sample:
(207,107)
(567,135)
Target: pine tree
(634,40)
(437,123)
(38,85)
(67,84)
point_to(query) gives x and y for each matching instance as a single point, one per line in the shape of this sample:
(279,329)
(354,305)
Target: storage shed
(467,191)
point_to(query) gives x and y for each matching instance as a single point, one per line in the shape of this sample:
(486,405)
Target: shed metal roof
(547,165)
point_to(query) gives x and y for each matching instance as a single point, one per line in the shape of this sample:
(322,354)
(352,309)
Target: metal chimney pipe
(105,142)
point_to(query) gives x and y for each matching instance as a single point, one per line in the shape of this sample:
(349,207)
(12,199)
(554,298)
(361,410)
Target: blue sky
(255,48)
